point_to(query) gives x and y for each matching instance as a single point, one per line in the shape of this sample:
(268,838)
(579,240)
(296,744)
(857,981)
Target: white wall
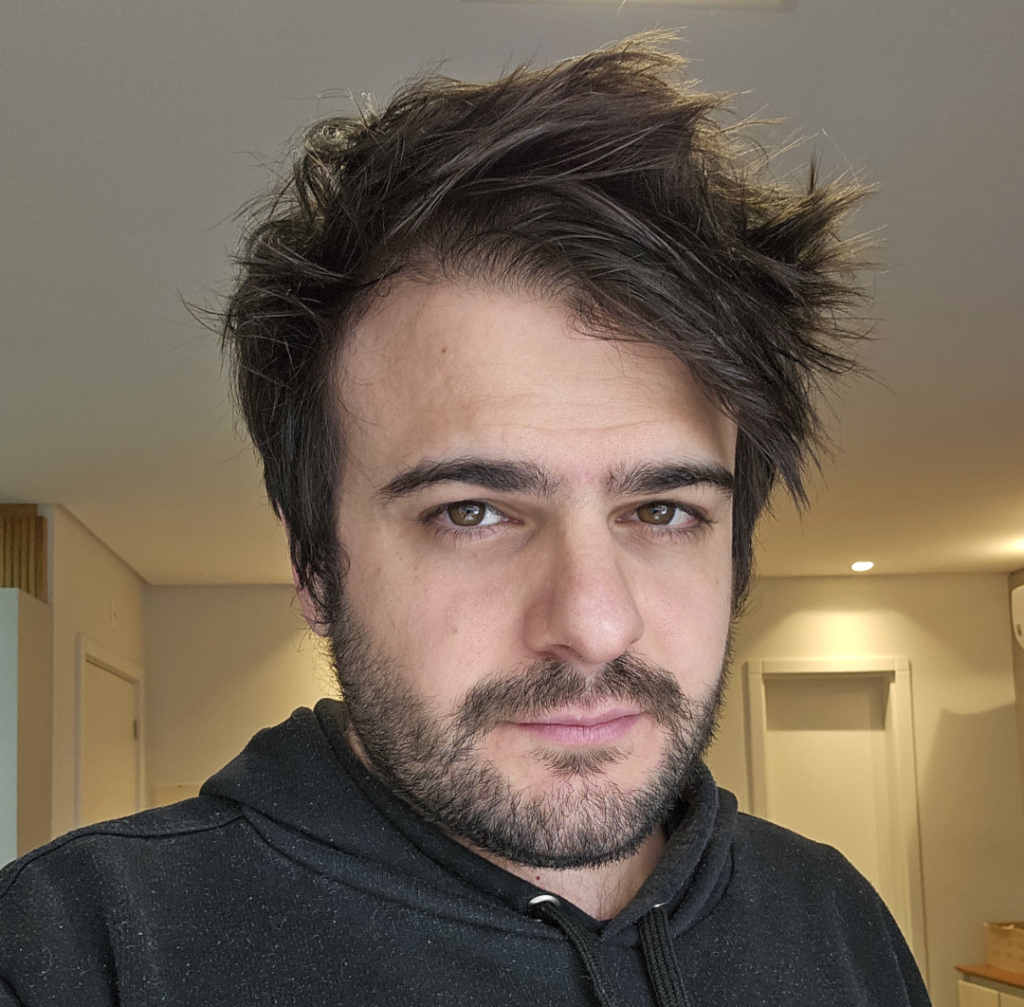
(223,663)
(954,628)
(87,581)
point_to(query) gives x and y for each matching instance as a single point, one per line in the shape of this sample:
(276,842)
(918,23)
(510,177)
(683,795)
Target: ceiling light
(862,565)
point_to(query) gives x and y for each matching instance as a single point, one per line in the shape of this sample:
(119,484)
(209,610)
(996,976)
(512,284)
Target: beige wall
(35,719)
(954,629)
(86,581)
(223,663)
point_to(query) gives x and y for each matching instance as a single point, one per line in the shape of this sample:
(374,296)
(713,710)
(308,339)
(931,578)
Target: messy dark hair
(604,181)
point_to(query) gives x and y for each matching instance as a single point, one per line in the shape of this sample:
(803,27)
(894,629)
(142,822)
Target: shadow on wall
(961,787)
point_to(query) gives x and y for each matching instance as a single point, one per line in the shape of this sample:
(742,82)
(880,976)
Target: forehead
(444,369)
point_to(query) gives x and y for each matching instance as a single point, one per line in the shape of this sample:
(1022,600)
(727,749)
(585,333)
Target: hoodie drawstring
(547,907)
(659,955)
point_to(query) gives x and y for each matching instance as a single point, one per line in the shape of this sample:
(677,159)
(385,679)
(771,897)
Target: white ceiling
(131,132)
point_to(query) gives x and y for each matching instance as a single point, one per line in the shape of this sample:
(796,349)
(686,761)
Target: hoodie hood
(297,878)
(302,788)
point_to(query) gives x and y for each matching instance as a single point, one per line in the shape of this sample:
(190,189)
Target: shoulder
(777,861)
(757,837)
(69,909)
(789,892)
(784,876)
(102,847)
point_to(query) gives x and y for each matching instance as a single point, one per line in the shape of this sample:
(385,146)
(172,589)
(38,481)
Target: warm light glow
(861,565)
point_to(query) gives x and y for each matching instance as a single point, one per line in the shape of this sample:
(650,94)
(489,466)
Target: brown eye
(657,513)
(466,513)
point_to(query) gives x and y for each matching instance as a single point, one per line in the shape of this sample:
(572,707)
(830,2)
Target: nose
(581,608)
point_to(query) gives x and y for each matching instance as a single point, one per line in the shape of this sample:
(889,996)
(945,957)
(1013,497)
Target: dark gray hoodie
(297,879)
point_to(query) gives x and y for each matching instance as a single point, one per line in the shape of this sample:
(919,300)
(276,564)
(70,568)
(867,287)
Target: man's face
(537,600)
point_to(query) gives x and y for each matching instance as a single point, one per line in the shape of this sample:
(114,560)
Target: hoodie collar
(303,775)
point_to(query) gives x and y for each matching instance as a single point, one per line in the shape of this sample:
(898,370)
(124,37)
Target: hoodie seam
(103,830)
(545,933)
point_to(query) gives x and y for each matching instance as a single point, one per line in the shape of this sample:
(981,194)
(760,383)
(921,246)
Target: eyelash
(702,522)
(453,531)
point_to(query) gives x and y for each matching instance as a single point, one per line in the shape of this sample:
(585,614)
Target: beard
(432,761)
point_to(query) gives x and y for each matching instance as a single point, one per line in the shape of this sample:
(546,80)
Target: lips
(582,728)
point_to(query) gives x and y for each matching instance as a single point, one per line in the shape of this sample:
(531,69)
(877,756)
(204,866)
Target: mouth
(582,728)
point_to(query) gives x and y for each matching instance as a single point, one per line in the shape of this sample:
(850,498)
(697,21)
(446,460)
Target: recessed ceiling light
(862,565)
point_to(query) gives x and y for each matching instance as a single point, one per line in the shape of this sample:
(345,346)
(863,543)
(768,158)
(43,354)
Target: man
(523,362)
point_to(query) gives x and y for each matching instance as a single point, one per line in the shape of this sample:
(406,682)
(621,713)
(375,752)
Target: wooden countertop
(997,975)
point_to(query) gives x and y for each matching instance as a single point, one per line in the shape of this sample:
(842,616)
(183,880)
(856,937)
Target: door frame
(87,650)
(903,779)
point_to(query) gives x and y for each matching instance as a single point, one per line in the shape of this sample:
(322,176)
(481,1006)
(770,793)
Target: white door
(108,766)
(832,757)
(827,767)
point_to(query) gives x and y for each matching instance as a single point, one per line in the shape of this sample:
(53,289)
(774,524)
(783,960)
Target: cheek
(445,628)
(687,614)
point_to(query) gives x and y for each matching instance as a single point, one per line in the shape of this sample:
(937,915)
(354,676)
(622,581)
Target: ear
(306,603)
(308,606)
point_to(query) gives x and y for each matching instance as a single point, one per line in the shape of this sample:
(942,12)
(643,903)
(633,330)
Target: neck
(601,892)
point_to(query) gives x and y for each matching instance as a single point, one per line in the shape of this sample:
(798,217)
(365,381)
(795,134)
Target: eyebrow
(499,476)
(524,477)
(653,478)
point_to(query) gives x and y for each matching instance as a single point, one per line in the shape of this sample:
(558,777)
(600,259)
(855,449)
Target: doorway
(109,751)
(832,757)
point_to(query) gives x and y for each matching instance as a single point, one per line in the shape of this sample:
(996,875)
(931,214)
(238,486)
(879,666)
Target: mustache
(546,686)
